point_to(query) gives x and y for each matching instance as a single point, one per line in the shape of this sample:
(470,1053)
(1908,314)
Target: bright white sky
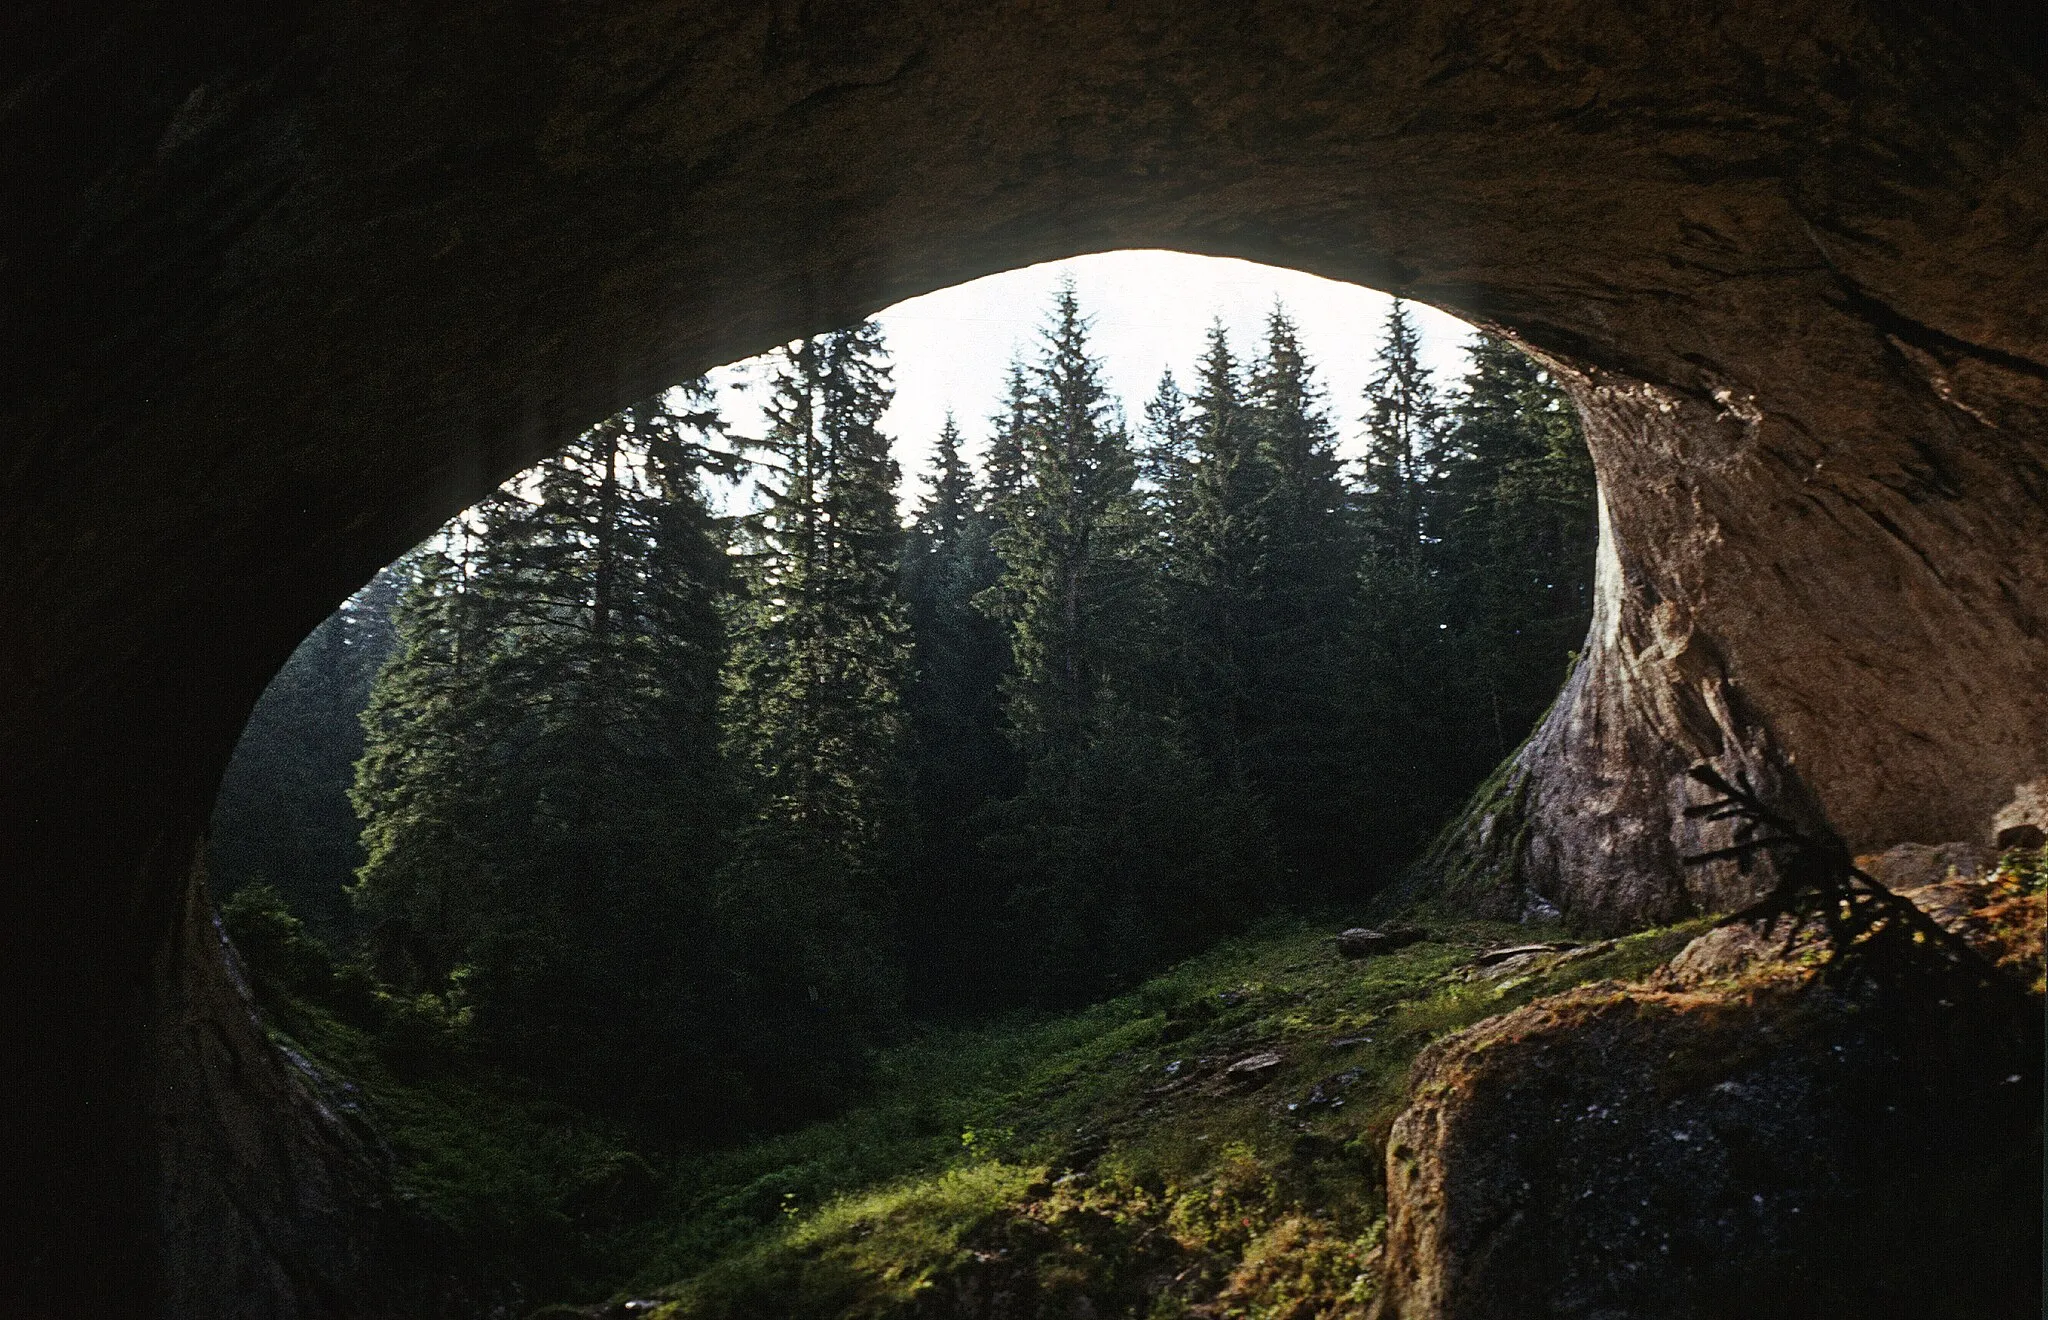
(1151,310)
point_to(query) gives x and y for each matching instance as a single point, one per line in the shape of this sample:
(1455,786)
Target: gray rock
(2023,822)
(1916,865)
(1363,942)
(1699,1149)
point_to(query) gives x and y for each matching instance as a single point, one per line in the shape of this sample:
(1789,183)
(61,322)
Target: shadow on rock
(1741,1137)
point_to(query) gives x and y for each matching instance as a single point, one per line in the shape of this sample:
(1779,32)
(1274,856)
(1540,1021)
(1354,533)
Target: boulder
(1364,942)
(1915,865)
(1736,1139)
(1255,1067)
(2023,822)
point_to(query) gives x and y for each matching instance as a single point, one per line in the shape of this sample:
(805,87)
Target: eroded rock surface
(1731,1140)
(1917,865)
(283,1196)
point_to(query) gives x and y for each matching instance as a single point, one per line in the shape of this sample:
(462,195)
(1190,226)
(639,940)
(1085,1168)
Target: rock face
(2023,822)
(1732,1142)
(1917,865)
(275,1195)
(281,288)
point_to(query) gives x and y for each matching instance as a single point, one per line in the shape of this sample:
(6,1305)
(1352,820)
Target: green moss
(2025,869)
(1475,863)
(1112,1153)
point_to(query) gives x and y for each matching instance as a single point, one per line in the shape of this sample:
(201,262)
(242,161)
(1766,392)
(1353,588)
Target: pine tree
(961,760)
(1519,533)
(430,820)
(1121,851)
(1299,752)
(961,653)
(1223,599)
(1005,467)
(1404,424)
(1476,581)
(1166,471)
(1070,579)
(1299,443)
(540,788)
(821,653)
(946,515)
(815,727)
(1167,547)
(1402,660)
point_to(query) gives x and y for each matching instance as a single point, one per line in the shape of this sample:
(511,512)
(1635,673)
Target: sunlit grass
(866,1254)
(1113,1153)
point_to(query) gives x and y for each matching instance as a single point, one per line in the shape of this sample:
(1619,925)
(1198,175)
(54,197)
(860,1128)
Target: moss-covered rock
(1740,1137)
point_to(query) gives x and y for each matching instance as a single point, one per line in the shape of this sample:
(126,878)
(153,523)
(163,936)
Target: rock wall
(281,288)
(1768,567)
(279,1197)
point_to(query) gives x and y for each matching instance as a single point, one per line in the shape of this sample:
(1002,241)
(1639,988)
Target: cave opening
(1327,611)
(307,284)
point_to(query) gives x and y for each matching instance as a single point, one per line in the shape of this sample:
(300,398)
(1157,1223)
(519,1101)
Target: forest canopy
(675,804)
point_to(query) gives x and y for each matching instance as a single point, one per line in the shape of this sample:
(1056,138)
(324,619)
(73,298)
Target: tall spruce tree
(1169,547)
(1312,537)
(815,723)
(1307,580)
(961,760)
(821,645)
(1070,591)
(1226,535)
(431,824)
(1404,424)
(1121,852)
(1166,474)
(1005,466)
(1403,662)
(540,789)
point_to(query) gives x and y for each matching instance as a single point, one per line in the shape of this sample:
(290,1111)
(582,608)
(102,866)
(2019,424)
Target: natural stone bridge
(282,287)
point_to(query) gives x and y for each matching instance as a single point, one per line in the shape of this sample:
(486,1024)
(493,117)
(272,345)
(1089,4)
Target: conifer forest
(675,803)
(727,874)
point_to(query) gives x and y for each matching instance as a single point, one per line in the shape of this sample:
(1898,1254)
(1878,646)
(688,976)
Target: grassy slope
(504,1197)
(1110,1154)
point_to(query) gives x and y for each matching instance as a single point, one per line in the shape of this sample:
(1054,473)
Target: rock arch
(279,290)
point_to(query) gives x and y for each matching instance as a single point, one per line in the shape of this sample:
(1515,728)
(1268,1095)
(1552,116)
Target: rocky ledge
(1744,1135)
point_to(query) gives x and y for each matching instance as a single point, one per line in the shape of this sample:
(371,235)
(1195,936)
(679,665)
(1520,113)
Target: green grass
(1110,1153)
(504,1195)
